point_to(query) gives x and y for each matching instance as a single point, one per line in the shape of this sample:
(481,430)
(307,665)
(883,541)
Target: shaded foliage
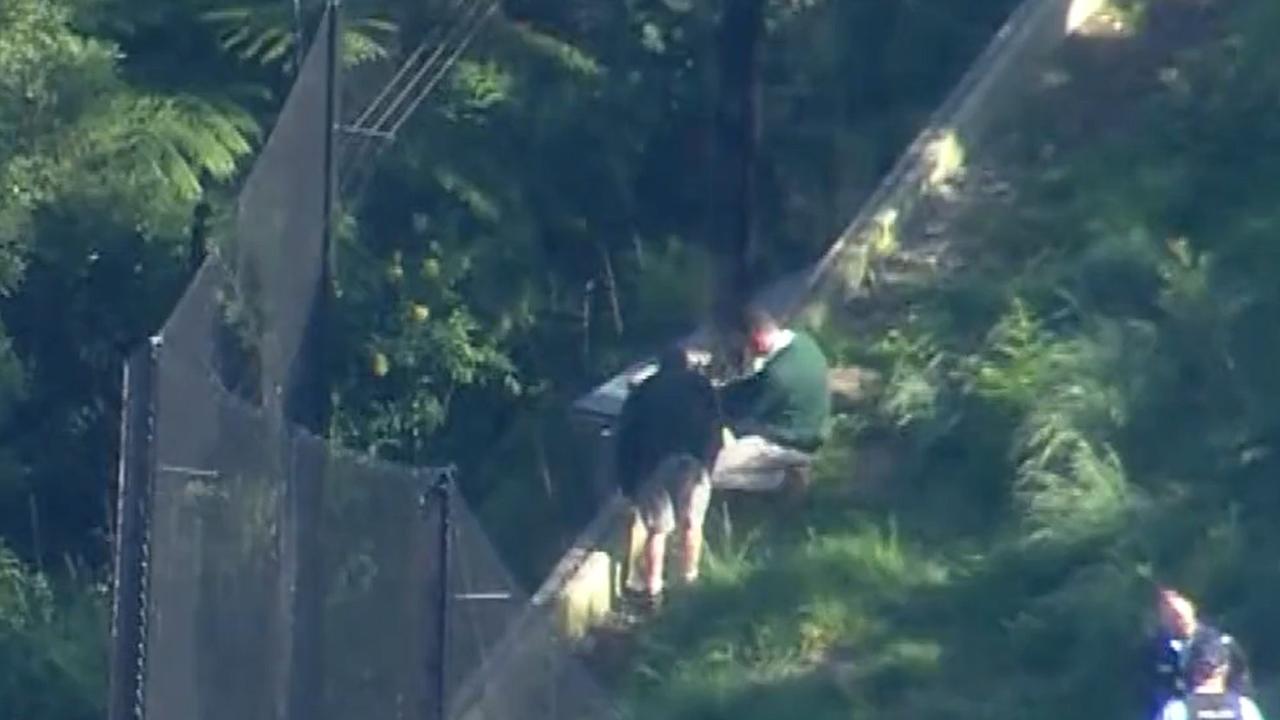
(52,660)
(1102,401)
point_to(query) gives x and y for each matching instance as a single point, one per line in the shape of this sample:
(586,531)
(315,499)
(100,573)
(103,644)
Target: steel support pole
(129,587)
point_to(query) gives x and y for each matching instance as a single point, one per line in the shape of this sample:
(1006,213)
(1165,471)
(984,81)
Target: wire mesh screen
(217,617)
(247,312)
(223,579)
(282,578)
(506,659)
(280,221)
(377,559)
(227,558)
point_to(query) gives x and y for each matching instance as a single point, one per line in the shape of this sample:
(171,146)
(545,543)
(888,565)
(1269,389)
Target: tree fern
(80,131)
(1086,496)
(1070,397)
(144,154)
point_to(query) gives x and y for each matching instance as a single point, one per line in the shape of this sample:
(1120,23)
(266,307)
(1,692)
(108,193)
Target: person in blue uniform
(1207,669)
(1181,628)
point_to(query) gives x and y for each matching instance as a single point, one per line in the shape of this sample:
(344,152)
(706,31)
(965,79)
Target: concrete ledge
(575,597)
(587,598)
(961,122)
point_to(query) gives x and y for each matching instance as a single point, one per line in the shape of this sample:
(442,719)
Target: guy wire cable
(379,126)
(377,131)
(388,135)
(403,69)
(364,135)
(457,53)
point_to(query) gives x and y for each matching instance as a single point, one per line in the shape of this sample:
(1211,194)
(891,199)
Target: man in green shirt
(777,416)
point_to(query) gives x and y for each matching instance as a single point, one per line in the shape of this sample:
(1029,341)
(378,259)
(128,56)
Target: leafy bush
(1073,400)
(52,656)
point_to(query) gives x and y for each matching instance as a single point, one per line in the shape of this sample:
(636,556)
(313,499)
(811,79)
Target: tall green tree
(99,179)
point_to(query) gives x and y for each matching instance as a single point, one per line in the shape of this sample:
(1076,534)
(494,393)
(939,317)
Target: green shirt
(789,400)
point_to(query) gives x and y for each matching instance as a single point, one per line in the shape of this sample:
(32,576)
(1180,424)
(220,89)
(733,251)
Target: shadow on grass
(850,615)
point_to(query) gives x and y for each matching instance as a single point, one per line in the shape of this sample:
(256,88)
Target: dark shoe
(642,602)
(650,604)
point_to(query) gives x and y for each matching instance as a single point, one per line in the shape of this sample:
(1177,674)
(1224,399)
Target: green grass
(844,609)
(751,641)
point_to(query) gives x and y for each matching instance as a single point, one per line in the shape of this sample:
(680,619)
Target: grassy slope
(1086,402)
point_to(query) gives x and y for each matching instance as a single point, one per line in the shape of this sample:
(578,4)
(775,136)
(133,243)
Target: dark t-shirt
(672,411)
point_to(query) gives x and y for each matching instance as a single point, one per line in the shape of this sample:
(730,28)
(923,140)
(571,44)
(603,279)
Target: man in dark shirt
(778,414)
(668,436)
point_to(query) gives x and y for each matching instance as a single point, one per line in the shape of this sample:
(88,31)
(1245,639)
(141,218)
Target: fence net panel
(506,658)
(215,630)
(223,575)
(280,222)
(377,554)
(248,310)
(286,578)
(223,536)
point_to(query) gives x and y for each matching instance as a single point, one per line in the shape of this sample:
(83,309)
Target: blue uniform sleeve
(1249,710)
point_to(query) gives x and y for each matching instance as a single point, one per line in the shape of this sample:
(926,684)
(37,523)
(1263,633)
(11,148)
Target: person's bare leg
(696,502)
(655,553)
(692,553)
(635,536)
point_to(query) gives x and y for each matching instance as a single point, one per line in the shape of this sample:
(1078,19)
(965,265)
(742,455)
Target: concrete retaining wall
(959,127)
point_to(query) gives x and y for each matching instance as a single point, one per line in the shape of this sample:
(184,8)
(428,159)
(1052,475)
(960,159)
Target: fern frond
(564,54)
(1088,498)
(367,40)
(144,156)
(267,36)
(198,136)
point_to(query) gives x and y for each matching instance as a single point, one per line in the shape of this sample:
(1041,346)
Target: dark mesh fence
(505,658)
(251,307)
(222,571)
(279,226)
(217,618)
(263,573)
(379,556)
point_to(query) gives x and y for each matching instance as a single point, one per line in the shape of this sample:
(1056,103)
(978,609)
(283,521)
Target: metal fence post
(444,493)
(440,591)
(129,603)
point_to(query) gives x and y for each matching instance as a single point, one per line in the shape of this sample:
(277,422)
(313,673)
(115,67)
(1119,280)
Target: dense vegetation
(1083,406)
(540,219)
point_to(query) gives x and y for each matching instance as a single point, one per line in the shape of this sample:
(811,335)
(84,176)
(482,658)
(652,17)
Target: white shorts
(755,463)
(676,494)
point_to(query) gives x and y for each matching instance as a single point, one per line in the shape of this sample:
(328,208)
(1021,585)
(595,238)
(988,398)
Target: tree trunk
(737,136)
(611,283)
